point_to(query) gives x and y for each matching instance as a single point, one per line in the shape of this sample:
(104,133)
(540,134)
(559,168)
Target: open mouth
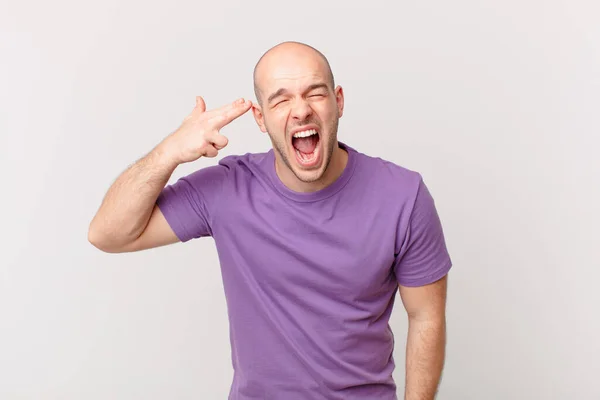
(306,146)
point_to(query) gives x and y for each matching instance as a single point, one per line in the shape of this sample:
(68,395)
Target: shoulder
(388,177)
(228,167)
(245,169)
(244,162)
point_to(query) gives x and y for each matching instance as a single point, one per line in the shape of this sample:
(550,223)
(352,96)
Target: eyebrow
(283,91)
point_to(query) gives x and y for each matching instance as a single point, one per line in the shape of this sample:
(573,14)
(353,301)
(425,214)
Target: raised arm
(128,218)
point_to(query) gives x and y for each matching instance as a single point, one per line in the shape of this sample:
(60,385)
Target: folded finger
(218,141)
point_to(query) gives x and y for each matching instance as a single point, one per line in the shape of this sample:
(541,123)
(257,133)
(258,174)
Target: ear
(339,98)
(259,117)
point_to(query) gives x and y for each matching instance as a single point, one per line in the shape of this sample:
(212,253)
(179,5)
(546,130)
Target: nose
(301,110)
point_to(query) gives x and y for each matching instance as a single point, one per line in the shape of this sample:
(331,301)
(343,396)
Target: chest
(332,247)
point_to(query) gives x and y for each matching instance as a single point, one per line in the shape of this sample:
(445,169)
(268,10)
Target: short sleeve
(423,257)
(189,205)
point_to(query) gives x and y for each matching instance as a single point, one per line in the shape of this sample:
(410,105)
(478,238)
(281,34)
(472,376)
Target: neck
(337,164)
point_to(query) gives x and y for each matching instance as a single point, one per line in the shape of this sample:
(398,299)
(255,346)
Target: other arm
(426,342)
(422,270)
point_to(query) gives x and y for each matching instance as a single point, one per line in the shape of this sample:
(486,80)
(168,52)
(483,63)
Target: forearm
(425,354)
(128,203)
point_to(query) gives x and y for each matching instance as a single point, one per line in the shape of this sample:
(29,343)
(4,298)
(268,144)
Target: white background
(495,103)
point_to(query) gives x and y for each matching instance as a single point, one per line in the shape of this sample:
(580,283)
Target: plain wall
(495,103)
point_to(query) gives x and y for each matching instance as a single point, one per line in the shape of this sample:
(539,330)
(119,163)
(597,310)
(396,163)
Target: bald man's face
(300,112)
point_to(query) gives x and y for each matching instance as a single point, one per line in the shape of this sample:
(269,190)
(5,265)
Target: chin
(308,176)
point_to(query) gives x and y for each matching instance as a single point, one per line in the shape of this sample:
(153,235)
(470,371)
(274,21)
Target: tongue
(306,145)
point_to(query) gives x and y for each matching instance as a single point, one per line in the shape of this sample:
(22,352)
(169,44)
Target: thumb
(200,105)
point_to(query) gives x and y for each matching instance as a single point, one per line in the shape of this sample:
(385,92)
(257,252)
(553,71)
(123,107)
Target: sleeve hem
(173,221)
(428,279)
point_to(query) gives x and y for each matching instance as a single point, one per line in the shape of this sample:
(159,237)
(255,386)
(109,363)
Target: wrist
(164,156)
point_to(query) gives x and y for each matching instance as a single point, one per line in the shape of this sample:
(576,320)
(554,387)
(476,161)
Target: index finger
(229,113)
(219,111)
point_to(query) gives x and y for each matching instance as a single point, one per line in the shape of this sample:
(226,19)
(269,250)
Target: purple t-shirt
(310,278)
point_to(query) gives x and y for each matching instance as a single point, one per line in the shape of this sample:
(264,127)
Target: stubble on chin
(328,148)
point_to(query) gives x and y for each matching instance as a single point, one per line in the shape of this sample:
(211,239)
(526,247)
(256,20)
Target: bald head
(285,55)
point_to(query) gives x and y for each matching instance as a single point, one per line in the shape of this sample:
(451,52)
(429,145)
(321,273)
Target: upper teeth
(306,133)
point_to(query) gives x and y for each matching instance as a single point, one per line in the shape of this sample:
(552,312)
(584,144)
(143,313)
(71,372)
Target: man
(314,239)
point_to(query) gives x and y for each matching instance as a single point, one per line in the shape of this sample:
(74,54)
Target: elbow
(95,240)
(108,243)
(100,241)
